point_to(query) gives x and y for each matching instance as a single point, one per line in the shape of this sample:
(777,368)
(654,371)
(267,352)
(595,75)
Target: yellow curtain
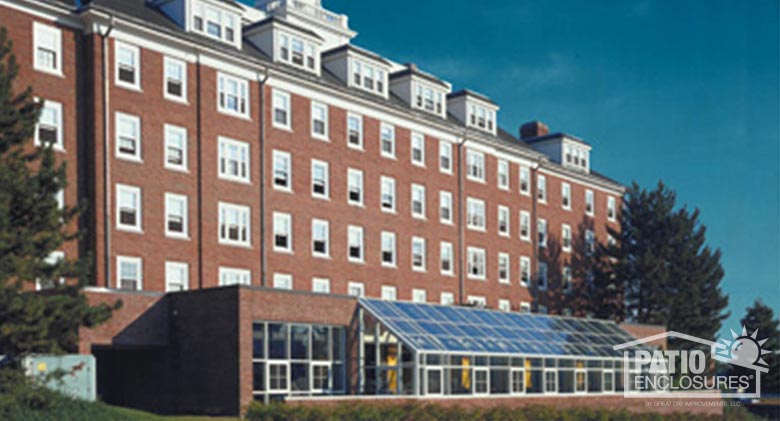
(580,376)
(392,375)
(528,383)
(465,374)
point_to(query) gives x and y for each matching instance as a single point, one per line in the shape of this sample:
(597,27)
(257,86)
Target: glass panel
(258,341)
(299,345)
(277,343)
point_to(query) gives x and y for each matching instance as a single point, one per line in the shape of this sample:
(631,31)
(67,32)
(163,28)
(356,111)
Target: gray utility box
(78,379)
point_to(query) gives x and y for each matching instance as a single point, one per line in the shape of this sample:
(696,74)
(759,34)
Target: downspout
(106,160)
(263,257)
(461,224)
(533,229)
(199,140)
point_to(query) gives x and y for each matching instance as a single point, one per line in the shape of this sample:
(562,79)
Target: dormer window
(576,156)
(214,22)
(428,99)
(482,118)
(297,52)
(473,110)
(368,77)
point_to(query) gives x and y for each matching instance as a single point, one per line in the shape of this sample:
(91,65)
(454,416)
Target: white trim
(362,236)
(508,219)
(394,263)
(355,173)
(281,278)
(415,136)
(289,221)
(136,53)
(476,251)
(391,128)
(243,94)
(57,107)
(359,118)
(243,212)
(57,34)
(424,267)
(326,166)
(317,283)
(134,261)
(325,136)
(245,274)
(390,181)
(136,191)
(444,145)
(131,119)
(168,61)
(527,260)
(169,128)
(286,97)
(548,171)
(286,156)
(241,145)
(419,188)
(177,265)
(442,246)
(320,223)
(185,216)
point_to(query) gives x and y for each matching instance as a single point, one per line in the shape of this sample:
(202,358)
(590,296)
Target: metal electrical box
(78,373)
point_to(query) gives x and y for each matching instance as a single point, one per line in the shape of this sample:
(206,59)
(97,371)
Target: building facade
(218,144)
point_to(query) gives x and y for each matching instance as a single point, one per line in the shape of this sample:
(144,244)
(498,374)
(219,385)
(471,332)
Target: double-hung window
(418,254)
(129,273)
(503,221)
(354,131)
(49,129)
(282,170)
(611,208)
(356,289)
(175,84)
(48,48)
(234,224)
(282,231)
(128,209)
(475,216)
(320,238)
(419,296)
(319,120)
(389,293)
(418,201)
(503,268)
(388,249)
(387,140)
(525,226)
(566,238)
(176,215)
(503,174)
(525,181)
(541,229)
(354,187)
(355,244)
(319,179)
(566,196)
(175,148)
(475,165)
(176,276)
(446,258)
(388,194)
(589,203)
(447,299)
(283,281)
(128,66)
(233,160)
(525,271)
(281,106)
(541,281)
(541,189)
(445,157)
(233,95)
(476,262)
(128,137)
(590,241)
(320,285)
(233,276)
(418,149)
(566,281)
(445,207)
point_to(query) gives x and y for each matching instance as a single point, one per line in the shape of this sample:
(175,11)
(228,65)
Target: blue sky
(684,91)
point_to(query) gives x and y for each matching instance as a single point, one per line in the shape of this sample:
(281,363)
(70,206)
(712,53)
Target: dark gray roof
(467,92)
(555,135)
(411,69)
(282,22)
(357,50)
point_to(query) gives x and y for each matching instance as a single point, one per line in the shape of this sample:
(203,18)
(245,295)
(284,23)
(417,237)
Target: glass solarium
(451,329)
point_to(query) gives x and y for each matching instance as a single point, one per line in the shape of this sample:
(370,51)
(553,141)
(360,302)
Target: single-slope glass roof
(452,329)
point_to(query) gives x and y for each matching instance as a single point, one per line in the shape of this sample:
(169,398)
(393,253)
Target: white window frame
(503,171)
(445,202)
(475,166)
(140,270)
(477,300)
(524,178)
(315,108)
(131,119)
(359,119)
(417,143)
(244,275)
(611,209)
(564,229)
(170,61)
(525,269)
(357,176)
(136,54)
(278,363)
(326,167)
(138,227)
(541,189)
(445,151)
(56,107)
(566,196)
(446,247)
(284,97)
(320,285)
(419,295)
(185,217)
(391,183)
(504,305)
(525,307)
(283,281)
(470,253)
(320,224)
(286,218)
(388,291)
(242,95)
(590,200)
(424,258)
(360,232)
(541,222)
(52,259)
(417,189)
(525,216)
(358,287)
(504,210)
(282,156)
(504,257)
(542,275)
(247,152)
(180,131)
(392,238)
(566,278)
(182,266)
(245,213)
(476,219)
(38,30)
(447,299)
(387,128)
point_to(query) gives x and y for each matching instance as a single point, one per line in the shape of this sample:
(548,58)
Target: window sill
(566,209)
(234,180)
(504,234)
(524,284)
(323,198)
(389,266)
(129,158)
(475,180)
(131,230)
(527,240)
(232,244)
(419,270)
(445,172)
(284,128)
(177,237)
(356,147)
(419,164)
(182,170)
(356,261)
(321,256)
(321,138)
(388,156)
(525,193)
(356,205)
(477,229)
(504,188)
(419,217)
(181,101)
(450,223)
(283,251)
(389,211)
(129,87)
(475,278)
(50,72)
(283,189)
(234,114)
(448,274)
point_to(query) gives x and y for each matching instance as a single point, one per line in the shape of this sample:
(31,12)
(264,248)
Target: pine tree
(761,317)
(32,226)
(671,277)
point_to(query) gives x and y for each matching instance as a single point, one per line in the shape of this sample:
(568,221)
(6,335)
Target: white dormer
(309,14)
(220,20)
(420,90)
(286,43)
(569,151)
(474,110)
(358,68)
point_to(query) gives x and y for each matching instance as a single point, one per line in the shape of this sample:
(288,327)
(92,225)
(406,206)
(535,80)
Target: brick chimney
(533,129)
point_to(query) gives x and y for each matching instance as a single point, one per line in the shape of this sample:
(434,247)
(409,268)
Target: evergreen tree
(32,226)
(761,317)
(671,277)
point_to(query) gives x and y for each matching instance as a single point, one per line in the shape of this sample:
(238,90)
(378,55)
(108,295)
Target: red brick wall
(640,331)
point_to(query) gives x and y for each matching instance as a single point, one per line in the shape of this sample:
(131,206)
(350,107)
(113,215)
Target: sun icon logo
(743,350)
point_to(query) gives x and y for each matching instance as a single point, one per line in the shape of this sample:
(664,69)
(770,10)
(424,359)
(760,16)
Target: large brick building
(218,144)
